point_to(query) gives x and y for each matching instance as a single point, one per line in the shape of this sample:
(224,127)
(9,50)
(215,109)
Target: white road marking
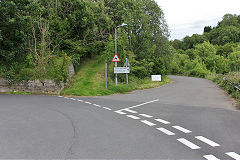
(120,112)
(234,155)
(133,117)
(182,129)
(148,123)
(60,96)
(142,104)
(131,111)
(208,141)
(66,97)
(107,108)
(210,157)
(145,115)
(80,100)
(96,105)
(166,131)
(87,102)
(162,121)
(188,143)
(72,99)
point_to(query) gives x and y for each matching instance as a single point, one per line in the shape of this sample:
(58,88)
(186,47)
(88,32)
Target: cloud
(187,17)
(188,29)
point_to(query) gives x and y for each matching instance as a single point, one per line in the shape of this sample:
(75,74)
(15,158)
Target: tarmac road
(190,119)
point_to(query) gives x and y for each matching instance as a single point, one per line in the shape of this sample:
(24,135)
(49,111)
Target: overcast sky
(187,17)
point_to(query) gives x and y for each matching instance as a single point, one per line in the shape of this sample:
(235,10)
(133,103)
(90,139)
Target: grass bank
(89,81)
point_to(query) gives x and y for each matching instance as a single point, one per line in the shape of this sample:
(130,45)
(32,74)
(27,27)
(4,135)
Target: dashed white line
(87,102)
(210,157)
(79,100)
(131,111)
(72,99)
(166,131)
(234,155)
(133,117)
(162,121)
(96,105)
(182,129)
(148,123)
(120,112)
(208,141)
(188,143)
(107,108)
(142,104)
(60,96)
(145,115)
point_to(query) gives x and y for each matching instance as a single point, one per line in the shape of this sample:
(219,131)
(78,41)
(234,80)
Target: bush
(228,83)
(199,71)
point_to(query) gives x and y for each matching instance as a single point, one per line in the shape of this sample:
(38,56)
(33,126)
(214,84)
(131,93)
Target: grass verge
(89,81)
(228,82)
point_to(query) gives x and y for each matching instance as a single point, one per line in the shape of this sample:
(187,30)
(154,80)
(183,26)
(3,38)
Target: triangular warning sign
(116,58)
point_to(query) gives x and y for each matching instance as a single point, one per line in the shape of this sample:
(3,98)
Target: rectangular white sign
(121,69)
(156,78)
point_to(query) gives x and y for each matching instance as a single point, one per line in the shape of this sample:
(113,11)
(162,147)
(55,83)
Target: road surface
(189,119)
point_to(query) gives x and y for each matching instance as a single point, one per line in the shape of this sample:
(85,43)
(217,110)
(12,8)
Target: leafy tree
(13,31)
(207,29)
(229,20)
(225,50)
(204,50)
(234,61)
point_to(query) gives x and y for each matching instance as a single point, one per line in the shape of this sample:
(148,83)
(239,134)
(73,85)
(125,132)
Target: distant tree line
(39,38)
(217,50)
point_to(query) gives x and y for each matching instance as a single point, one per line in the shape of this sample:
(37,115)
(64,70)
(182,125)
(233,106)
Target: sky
(187,17)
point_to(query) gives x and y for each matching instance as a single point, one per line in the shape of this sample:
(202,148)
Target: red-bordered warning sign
(116,58)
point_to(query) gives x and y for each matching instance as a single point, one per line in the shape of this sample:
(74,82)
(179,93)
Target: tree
(207,29)
(13,31)
(234,61)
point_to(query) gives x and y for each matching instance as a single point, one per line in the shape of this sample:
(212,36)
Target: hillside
(89,81)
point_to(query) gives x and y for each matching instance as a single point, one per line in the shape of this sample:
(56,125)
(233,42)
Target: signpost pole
(116,53)
(126,73)
(105,73)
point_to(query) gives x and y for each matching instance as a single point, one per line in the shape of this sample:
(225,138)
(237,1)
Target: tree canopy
(35,34)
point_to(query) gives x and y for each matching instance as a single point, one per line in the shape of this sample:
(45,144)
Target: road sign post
(116,59)
(127,65)
(105,73)
(115,53)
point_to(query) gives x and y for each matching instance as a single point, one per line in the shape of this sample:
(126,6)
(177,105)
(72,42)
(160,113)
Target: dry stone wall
(34,86)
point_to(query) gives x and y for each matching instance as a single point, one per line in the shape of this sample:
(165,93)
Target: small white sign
(156,78)
(121,70)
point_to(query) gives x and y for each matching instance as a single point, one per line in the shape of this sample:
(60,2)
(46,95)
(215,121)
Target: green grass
(89,81)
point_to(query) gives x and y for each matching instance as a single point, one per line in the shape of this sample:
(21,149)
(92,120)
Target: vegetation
(90,81)
(40,38)
(229,82)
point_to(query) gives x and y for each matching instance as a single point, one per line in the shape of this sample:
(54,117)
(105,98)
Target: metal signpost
(125,69)
(105,73)
(116,48)
(126,64)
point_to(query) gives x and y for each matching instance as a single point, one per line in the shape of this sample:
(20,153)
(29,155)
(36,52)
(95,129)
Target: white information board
(121,70)
(156,78)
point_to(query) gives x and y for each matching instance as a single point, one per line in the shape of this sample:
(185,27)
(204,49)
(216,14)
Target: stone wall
(35,86)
